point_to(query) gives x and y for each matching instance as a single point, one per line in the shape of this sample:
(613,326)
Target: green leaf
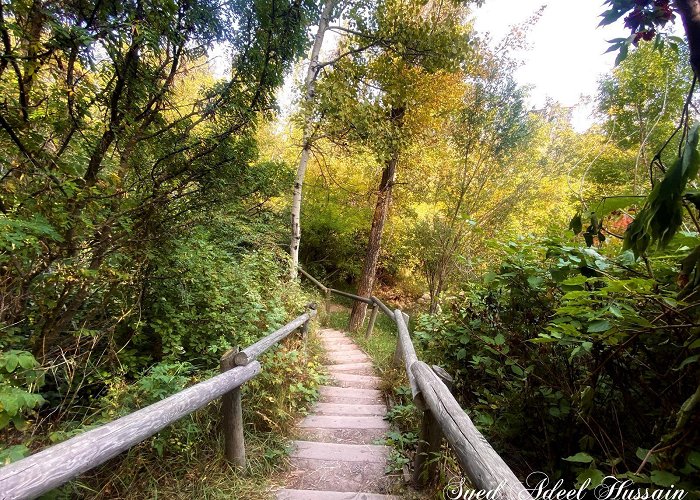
(694,459)
(4,419)
(27,361)
(624,52)
(534,282)
(580,457)
(689,360)
(576,225)
(11,362)
(598,326)
(615,311)
(10,404)
(663,478)
(594,475)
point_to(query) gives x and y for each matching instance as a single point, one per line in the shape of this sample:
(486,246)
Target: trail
(335,458)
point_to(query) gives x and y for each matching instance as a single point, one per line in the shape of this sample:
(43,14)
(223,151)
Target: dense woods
(154,204)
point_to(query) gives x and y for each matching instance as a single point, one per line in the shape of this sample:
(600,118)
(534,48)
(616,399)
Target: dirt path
(334,459)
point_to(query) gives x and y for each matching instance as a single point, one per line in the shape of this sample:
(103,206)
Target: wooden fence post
(328,304)
(372,320)
(234,442)
(425,464)
(305,326)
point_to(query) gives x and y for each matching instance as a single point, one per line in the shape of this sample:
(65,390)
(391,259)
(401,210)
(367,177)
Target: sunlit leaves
(662,214)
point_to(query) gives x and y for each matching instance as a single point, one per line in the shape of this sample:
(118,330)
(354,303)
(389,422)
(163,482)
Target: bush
(576,364)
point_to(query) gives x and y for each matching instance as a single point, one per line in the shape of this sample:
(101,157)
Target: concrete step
(343,358)
(349,436)
(349,351)
(366,453)
(348,409)
(344,349)
(329,333)
(344,422)
(288,494)
(349,395)
(357,381)
(314,474)
(351,367)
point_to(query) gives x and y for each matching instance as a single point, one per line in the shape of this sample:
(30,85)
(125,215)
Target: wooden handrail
(312,279)
(384,308)
(252,352)
(408,355)
(484,467)
(444,417)
(54,466)
(351,296)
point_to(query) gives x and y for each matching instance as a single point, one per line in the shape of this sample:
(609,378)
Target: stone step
(351,367)
(336,339)
(343,358)
(330,334)
(357,381)
(338,345)
(348,409)
(345,351)
(349,436)
(288,494)
(344,422)
(314,474)
(367,453)
(349,395)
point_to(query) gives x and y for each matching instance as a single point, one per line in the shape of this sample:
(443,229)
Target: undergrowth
(185,460)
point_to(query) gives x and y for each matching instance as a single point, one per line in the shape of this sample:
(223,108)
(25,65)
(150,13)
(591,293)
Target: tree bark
(690,15)
(369,270)
(310,87)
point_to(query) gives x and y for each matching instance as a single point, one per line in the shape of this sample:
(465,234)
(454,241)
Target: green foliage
(641,102)
(224,283)
(287,387)
(575,343)
(662,214)
(20,378)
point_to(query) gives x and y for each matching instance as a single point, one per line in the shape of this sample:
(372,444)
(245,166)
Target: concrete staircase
(335,458)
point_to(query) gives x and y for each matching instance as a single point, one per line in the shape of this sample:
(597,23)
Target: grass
(140,474)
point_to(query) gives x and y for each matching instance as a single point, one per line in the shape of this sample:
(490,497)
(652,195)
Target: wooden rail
(443,417)
(54,466)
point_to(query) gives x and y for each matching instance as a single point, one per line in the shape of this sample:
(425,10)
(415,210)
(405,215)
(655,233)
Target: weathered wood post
(234,442)
(328,304)
(305,327)
(372,319)
(430,442)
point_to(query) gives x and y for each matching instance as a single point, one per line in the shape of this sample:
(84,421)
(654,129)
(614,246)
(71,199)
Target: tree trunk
(310,86)
(369,270)
(690,15)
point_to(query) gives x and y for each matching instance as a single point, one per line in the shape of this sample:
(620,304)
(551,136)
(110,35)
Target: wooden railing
(443,417)
(54,466)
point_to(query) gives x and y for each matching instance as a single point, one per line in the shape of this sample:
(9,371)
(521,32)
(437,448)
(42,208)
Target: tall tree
(371,98)
(308,126)
(641,101)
